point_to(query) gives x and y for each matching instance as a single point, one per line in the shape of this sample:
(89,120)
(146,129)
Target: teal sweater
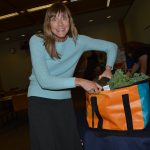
(53,78)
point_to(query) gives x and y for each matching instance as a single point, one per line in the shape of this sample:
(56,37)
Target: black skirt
(53,125)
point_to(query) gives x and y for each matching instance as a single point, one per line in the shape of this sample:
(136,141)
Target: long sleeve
(109,48)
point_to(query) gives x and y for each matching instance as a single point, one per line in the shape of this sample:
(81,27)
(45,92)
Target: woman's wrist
(108,67)
(77,82)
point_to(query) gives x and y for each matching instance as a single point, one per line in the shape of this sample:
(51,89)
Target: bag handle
(95,110)
(127,110)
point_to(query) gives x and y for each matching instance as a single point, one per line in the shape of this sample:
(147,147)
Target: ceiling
(82,11)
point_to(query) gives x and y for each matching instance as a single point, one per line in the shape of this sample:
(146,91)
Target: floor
(15,134)
(15,138)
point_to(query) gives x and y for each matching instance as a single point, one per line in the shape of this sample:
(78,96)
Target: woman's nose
(60,22)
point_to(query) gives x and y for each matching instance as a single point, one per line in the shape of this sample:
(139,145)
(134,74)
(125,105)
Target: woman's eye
(53,19)
(65,18)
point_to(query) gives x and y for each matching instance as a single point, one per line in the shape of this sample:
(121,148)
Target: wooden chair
(20,106)
(20,102)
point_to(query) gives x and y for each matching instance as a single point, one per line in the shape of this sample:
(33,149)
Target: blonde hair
(49,39)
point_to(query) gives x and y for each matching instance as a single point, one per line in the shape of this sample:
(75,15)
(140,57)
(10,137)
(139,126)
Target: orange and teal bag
(120,109)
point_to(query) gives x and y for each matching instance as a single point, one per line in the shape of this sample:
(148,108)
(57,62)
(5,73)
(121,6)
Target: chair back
(20,102)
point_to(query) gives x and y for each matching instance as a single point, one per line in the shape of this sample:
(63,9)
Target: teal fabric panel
(144,93)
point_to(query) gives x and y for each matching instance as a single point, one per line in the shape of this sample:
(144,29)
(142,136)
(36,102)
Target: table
(9,97)
(10,104)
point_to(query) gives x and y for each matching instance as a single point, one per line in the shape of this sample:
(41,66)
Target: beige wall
(15,68)
(137,19)
(1,86)
(107,31)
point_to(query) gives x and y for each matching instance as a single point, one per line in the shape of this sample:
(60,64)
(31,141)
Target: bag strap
(96,111)
(127,109)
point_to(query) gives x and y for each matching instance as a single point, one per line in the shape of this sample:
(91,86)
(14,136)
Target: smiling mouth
(60,30)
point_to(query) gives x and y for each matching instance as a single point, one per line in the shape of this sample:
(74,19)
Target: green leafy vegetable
(119,79)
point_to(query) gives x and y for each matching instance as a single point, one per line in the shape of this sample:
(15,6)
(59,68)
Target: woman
(54,58)
(139,54)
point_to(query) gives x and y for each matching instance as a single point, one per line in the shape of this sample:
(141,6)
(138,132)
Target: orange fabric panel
(111,108)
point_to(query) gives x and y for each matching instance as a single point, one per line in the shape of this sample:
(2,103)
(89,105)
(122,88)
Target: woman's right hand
(87,85)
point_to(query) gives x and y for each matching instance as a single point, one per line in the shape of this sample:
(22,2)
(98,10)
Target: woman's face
(60,25)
